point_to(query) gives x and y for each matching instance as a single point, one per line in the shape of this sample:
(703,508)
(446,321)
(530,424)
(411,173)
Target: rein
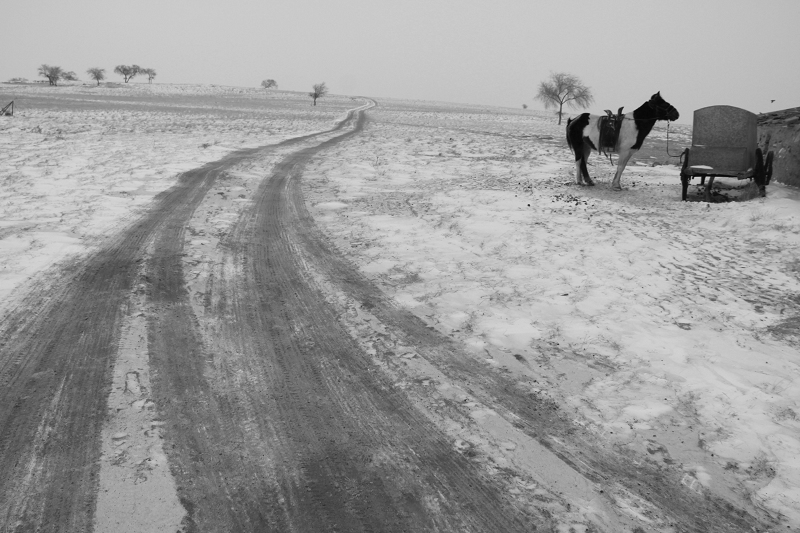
(669,154)
(668,121)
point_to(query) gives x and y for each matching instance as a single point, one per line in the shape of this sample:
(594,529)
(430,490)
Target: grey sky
(697,53)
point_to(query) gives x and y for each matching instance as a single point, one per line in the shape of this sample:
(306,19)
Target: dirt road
(275,416)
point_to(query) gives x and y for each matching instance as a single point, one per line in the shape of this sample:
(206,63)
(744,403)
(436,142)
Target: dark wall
(780,132)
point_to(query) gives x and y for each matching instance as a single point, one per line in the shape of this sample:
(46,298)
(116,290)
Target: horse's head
(663,109)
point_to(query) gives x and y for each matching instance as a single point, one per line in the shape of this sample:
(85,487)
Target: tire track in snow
(276,420)
(64,337)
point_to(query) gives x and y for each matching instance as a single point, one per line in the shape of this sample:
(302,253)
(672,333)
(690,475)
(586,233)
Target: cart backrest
(724,138)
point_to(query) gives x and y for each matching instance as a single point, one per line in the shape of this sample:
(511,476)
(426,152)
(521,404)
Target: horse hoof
(617,188)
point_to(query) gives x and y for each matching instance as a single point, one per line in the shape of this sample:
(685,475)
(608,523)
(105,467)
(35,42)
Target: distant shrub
(52,73)
(97,74)
(127,71)
(320,90)
(149,72)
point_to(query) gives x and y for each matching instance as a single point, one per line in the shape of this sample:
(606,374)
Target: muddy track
(277,421)
(57,351)
(658,489)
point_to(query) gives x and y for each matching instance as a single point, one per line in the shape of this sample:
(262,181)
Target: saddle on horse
(609,127)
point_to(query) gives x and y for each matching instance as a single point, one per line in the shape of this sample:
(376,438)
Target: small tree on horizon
(127,71)
(564,89)
(149,72)
(524,106)
(53,74)
(97,74)
(320,90)
(269,84)
(69,76)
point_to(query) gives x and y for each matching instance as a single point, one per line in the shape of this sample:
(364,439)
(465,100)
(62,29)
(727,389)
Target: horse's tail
(569,138)
(575,127)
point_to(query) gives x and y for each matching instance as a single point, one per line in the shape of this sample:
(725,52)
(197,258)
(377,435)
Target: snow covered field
(80,161)
(667,327)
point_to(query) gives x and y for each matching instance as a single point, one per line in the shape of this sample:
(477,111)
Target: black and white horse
(583,134)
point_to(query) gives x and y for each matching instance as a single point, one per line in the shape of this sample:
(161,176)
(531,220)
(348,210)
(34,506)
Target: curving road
(276,419)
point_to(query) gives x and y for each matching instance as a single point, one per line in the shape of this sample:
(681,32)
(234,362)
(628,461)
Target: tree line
(560,90)
(54,74)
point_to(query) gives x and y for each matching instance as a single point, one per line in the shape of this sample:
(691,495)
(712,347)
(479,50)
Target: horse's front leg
(621,164)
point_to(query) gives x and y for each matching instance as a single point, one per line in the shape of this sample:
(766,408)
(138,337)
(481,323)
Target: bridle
(666,111)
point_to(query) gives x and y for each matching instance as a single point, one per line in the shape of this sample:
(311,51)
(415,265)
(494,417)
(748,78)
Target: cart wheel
(684,175)
(759,175)
(768,166)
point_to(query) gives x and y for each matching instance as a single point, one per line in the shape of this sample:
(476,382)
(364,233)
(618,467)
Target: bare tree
(319,91)
(53,74)
(149,72)
(127,72)
(561,89)
(69,76)
(97,74)
(269,84)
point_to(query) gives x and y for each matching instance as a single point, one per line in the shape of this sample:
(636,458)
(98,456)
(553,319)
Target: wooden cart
(724,144)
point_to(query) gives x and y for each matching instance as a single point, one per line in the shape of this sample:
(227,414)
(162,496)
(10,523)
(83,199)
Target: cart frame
(724,143)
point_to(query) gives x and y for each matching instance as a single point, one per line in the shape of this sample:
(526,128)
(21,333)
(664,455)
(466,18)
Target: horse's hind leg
(587,150)
(578,162)
(621,164)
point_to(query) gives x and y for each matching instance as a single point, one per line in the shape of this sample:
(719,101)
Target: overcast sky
(493,52)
